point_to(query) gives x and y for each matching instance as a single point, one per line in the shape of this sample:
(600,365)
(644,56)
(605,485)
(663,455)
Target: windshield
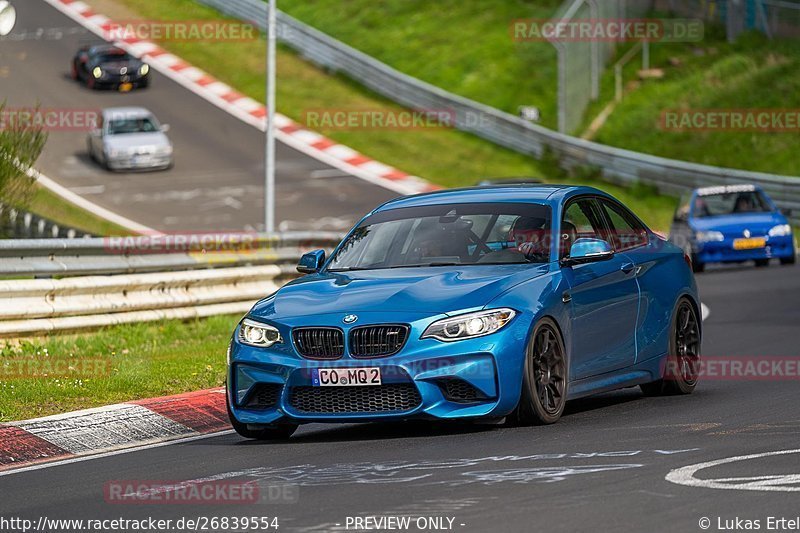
(113,57)
(445,235)
(730,204)
(132,125)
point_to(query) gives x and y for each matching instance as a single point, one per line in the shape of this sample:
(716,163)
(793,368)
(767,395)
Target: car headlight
(165,150)
(113,154)
(709,236)
(469,326)
(97,72)
(257,334)
(782,230)
(144,69)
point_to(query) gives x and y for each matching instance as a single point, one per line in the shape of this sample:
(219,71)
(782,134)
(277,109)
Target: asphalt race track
(602,466)
(217,181)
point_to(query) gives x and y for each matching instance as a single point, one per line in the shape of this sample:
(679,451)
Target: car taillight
(688,259)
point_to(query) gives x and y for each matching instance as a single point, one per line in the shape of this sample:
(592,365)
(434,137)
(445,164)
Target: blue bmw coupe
(478,303)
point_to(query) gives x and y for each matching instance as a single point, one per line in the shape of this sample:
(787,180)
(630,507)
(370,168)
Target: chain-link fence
(581,61)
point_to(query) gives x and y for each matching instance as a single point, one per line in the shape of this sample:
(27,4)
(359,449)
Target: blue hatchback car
(734,223)
(478,303)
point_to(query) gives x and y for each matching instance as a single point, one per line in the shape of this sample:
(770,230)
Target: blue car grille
(319,343)
(377,341)
(353,400)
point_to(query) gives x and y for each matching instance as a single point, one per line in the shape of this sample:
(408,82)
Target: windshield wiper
(424,265)
(349,269)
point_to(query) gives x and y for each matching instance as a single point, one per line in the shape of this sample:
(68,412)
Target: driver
(530,237)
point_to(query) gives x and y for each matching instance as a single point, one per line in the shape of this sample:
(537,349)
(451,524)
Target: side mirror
(165,128)
(786,212)
(312,262)
(589,251)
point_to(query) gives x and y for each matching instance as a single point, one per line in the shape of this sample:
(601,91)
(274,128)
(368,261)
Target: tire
(277,432)
(761,263)
(789,260)
(680,372)
(544,377)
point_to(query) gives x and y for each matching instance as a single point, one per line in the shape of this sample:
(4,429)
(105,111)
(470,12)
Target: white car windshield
(448,235)
(123,126)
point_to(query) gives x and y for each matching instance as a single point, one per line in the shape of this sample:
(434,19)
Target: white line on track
(770,483)
(91,207)
(81,459)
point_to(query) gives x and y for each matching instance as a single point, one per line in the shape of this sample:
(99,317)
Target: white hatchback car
(130,138)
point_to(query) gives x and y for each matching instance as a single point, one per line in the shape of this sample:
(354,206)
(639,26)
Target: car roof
(726,189)
(107,48)
(126,112)
(516,193)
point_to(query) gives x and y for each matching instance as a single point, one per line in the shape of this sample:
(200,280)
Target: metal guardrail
(615,164)
(18,223)
(100,282)
(141,254)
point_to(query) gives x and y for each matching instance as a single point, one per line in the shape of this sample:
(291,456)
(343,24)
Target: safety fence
(614,164)
(90,283)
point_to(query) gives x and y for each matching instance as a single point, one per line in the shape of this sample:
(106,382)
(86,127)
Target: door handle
(627,268)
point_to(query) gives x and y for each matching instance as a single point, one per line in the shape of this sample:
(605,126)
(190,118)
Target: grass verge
(751,74)
(51,206)
(59,374)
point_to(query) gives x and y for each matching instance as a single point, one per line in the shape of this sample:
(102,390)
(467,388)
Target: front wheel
(544,378)
(277,432)
(683,360)
(761,263)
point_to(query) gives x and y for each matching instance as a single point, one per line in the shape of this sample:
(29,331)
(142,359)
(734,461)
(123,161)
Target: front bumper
(112,81)
(140,162)
(427,379)
(723,251)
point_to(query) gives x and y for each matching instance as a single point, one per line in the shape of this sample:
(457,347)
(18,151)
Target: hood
(137,140)
(423,290)
(114,67)
(734,225)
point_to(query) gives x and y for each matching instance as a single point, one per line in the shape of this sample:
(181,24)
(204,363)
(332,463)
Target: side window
(627,232)
(581,220)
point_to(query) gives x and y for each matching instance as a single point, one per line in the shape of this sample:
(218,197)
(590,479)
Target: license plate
(125,87)
(749,244)
(346,377)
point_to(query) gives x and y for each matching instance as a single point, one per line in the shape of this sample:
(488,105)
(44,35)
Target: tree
(21,143)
